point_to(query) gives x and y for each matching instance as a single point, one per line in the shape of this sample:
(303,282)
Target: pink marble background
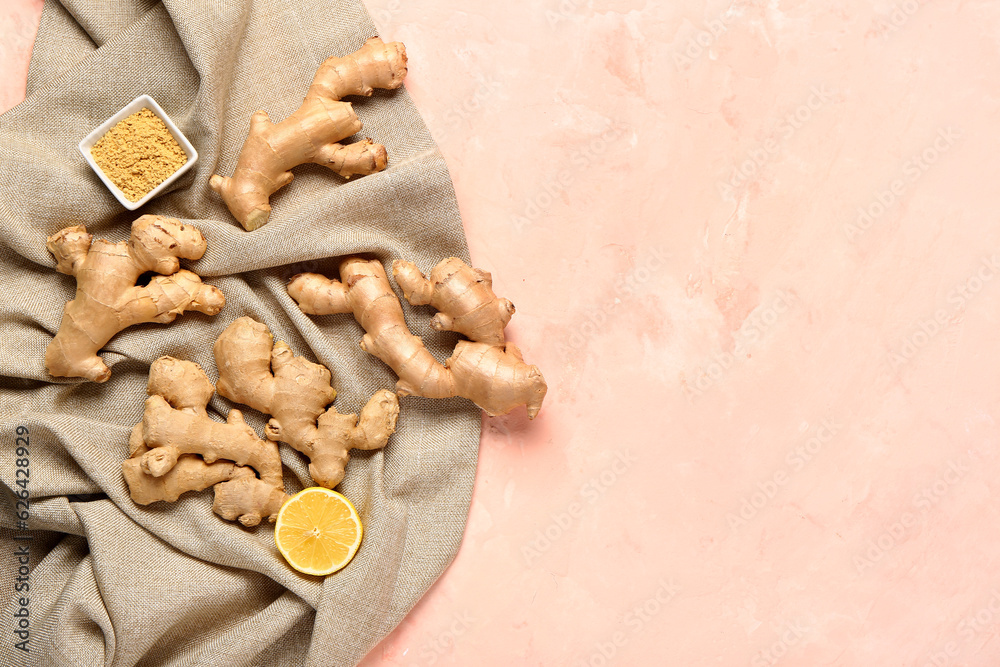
(753,248)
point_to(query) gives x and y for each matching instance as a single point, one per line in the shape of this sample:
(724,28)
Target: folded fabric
(115,583)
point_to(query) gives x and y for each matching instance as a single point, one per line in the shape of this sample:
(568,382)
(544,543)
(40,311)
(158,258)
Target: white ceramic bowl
(136,105)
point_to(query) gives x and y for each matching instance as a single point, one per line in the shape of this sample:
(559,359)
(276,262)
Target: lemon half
(318,531)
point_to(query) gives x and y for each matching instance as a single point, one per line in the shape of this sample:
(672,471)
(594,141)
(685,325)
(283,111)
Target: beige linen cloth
(114,583)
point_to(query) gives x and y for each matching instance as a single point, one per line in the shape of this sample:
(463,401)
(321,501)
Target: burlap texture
(113,583)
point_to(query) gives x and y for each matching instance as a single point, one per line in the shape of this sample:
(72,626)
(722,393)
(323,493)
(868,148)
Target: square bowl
(143,101)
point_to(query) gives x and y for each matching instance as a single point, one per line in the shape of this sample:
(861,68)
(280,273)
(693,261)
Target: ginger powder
(138,153)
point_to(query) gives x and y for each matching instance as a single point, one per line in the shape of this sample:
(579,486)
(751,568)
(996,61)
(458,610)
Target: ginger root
(485,370)
(190,473)
(462,295)
(107,297)
(179,448)
(313,132)
(296,393)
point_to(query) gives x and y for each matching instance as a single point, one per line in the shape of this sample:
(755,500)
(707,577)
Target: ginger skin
(248,499)
(191,473)
(107,298)
(296,393)
(169,433)
(493,375)
(313,132)
(179,448)
(462,295)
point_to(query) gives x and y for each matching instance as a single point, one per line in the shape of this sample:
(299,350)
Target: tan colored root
(462,295)
(179,448)
(296,392)
(239,495)
(107,298)
(191,473)
(494,377)
(364,291)
(170,433)
(313,132)
(136,447)
(175,422)
(248,499)
(499,374)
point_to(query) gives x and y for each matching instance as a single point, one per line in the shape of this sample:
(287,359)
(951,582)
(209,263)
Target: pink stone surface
(18,26)
(753,248)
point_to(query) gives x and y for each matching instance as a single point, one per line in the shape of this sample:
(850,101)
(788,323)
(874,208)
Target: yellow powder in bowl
(138,153)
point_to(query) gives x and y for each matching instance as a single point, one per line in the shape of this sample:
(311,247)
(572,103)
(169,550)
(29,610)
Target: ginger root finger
(182,384)
(318,295)
(248,499)
(462,295)
(239,495)
(191,473)
(170,433)
(313,132)
(358,159)
(376,422)
(498,376)
(107,298)
(268,377)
